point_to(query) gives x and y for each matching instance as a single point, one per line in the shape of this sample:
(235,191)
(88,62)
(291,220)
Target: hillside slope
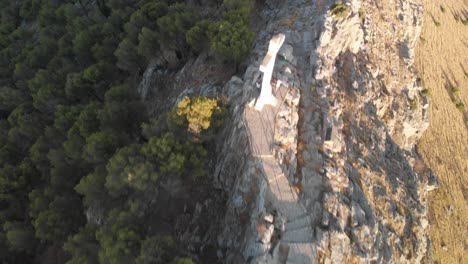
(442,60)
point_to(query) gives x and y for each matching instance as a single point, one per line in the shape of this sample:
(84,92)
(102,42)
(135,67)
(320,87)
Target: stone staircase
(301,253)
(298,237)
(297,242)
(298,223)
(298,234)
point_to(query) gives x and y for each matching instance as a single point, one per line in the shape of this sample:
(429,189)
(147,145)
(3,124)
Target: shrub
(423,40)
(197,36)
(127,56)
(100,146)
(232,38)
(413,105)
(156,249)
(339,9)
(148,43)
(362,14)
(182,261)
(20,237)
(455,91)
(198,114)
(426,92)
(460,106)
(237,4)
(174,26)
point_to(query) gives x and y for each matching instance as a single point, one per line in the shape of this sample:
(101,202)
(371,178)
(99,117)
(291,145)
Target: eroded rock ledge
(342,181)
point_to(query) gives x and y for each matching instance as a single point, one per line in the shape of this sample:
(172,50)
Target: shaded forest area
(81,163)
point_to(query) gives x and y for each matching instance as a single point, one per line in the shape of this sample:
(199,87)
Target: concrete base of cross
(266,99)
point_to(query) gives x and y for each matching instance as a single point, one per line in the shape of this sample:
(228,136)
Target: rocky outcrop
(329,175)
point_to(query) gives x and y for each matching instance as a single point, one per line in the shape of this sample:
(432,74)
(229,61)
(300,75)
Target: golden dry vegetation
(442,61)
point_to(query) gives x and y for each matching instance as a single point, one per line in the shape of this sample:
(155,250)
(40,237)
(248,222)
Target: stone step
(302,253)
(298,217)
(298,223)
(290,210)
(281,187)
(301,235)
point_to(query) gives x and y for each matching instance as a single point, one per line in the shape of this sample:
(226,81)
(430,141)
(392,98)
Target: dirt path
(442,60)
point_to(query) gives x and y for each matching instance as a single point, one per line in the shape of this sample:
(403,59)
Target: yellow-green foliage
(199,113)
(362,14)
(426,92)
(413,105)
(339,9)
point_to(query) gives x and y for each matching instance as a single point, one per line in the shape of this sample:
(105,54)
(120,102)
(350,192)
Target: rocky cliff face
(330,174)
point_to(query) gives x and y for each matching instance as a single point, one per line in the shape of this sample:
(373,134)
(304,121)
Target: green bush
(426,92)
(119,239)
(198,114)
(175,157)
(237,4)
(100,147)
(174,26)
(232,37)
(455,91)
(156,249)
(197,36)
(460,106)
(339,10)
(129,168)
(83,246)
(413,104)
(148,43)
(127,56)
(20,237)
(362,14)
(182,261)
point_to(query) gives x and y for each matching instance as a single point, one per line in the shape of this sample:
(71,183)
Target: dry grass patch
(441,59)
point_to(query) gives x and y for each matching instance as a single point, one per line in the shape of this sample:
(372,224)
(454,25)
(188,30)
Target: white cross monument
(266,96)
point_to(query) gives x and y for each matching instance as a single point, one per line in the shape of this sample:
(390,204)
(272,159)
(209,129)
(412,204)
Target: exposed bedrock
(330,173)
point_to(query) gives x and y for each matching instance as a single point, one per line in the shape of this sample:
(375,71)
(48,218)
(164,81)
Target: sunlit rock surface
(328,174)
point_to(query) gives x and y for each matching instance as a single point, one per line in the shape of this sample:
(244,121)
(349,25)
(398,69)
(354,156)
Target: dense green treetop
(82,164)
